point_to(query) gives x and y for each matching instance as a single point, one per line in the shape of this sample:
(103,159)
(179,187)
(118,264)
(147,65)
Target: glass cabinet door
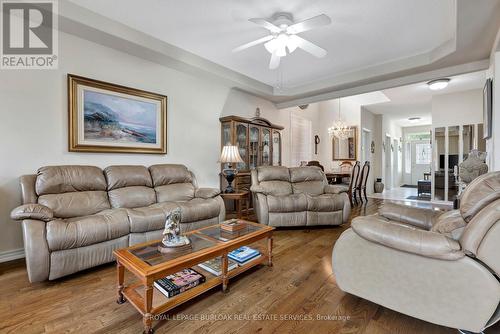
(241,142)
(266,147)
(253,147)
(226,134)
(276,148)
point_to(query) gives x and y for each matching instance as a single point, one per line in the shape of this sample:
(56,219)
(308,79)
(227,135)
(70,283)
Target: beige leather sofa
(299,196)
(74,217)
(439,267)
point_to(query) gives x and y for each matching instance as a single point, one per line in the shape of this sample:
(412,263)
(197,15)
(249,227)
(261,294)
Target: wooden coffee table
(148,265)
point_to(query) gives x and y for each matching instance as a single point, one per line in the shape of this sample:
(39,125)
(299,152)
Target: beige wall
(33,119)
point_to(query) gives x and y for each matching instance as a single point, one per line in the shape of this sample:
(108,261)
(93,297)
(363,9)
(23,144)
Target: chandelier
(339,128)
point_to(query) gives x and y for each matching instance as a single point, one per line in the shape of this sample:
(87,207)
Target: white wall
(373,123)
(493,144)
(459,108)
(390,127)
(34,122)
(350,110)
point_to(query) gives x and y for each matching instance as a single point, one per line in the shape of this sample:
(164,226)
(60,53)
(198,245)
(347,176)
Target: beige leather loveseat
(438,267)
(73,217)
(299,196)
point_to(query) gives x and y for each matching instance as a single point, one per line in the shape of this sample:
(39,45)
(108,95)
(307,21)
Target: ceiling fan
(284,36)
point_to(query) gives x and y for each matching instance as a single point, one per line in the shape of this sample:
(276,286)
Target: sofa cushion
(325,203)
(275,188)
(64,179)
(273,173)
(479,193)
(450,224)
(304,174)
(132,197)
(127,176)
(170,174)
(312,188)
(174,192)
(290,203)
(199,209)
(75,204)
(87,230)
(150,218)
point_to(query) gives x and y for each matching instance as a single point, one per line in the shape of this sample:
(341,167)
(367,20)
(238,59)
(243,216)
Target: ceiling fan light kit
(284,37)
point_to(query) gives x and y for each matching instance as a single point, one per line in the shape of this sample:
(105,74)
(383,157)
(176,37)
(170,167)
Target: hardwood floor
(285,298)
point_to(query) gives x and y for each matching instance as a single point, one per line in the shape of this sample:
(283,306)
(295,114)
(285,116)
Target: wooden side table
(239,198)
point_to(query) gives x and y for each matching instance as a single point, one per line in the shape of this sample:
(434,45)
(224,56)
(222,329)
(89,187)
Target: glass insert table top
(150,254)
(217,233)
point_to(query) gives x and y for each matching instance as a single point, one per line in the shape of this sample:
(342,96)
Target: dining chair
(315,163)
(353,182)
(361,188)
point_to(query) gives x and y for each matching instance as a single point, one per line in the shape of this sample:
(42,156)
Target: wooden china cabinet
(259,144)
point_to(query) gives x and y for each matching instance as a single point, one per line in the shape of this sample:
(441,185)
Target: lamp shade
(230,154)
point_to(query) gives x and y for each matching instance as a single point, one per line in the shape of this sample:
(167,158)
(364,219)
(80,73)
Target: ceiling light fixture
(339,128)
(438,84)
(283,36)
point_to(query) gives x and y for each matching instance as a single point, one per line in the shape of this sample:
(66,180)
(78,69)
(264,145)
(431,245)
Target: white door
(395,164)
(366,147)
(388,163)
(421,154)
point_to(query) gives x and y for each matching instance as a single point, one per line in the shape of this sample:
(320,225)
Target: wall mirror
(345,149)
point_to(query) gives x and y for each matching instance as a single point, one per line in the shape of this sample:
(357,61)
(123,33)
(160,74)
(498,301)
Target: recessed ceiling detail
(368,43)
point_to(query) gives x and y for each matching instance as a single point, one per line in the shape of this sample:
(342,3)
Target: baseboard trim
(12,254)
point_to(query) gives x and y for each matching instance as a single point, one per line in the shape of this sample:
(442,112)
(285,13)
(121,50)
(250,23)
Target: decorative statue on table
(172,240)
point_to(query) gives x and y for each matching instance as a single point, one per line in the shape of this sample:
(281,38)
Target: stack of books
(244,255)
(179,282)
(214,266)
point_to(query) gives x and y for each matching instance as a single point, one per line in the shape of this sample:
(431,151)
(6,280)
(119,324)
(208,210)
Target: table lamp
(230,155)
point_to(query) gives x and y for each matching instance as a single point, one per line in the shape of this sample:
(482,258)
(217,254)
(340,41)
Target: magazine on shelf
(243,254)
(214,266)
(179,282)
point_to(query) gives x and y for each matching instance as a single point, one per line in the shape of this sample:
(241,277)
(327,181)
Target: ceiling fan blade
(266,24)
(313,22)
(275,61)
(308,46)
(253,43)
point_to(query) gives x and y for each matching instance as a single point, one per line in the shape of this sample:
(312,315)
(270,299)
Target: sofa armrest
(335,189)
(32,211)
(206,193)
(407,239)
(257,189)
(418,217)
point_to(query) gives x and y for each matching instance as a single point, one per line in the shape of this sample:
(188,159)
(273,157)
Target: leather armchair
(438,267)
(298,196)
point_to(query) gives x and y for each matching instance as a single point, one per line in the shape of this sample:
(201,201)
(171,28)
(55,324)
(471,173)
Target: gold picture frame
(109,118)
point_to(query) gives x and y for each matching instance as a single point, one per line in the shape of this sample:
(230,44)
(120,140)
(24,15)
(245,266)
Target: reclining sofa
(439,267)
(74,217)
(299,196)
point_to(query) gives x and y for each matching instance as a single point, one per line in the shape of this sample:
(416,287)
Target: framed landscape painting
(105,117)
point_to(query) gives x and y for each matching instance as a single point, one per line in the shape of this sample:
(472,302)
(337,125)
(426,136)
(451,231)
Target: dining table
(335,177)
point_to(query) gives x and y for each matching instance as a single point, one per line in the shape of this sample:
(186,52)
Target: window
(301,140)
(408,158)
(423,154)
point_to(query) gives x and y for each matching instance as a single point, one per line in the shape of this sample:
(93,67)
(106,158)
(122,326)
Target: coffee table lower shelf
(134,292)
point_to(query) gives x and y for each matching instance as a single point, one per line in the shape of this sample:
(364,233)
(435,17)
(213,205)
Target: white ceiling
(363,34)
(371,45)
(415,100)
